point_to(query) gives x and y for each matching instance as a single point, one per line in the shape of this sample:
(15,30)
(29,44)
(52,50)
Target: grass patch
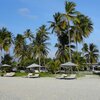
(79,75)
(1,74)
(20,74)
(43,74)
(86,72)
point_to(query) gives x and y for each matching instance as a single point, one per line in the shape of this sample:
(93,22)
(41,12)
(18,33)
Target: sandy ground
(49,89)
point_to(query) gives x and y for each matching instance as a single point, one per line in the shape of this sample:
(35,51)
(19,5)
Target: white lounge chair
(72,76)
(11,74)
(96,72)
(34,76)
(63,76)
(30,75)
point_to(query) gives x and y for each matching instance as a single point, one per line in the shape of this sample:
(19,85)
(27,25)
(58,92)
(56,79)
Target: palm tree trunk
(69,42)
(89,61)
(76,47)
(77,56)
(44,61)
(64,54)
(83,45)
(0,56)
(39,63)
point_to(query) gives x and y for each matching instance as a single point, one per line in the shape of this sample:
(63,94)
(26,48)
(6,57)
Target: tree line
(70,27)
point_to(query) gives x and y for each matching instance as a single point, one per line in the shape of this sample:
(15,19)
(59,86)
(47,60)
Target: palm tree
(91,53)
(59,27)
(70,15)
(28,35)
(5,40)
(20,46)
(86,25)
(58,24)
(83,28)
(61,54)
(63,48)
(40,43)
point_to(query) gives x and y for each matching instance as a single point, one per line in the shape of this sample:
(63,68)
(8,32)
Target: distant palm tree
(40,43)
(5,40)
(20,46)
(28,35)
(91,53)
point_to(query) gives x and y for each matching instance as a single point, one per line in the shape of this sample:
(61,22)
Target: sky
(19,15)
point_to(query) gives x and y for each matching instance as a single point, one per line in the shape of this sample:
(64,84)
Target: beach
(17,88)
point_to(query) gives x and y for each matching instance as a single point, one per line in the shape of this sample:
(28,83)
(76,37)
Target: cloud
(26,13)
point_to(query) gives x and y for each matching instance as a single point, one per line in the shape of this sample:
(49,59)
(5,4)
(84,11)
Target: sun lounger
(34,76)
(63,76)
(72,76)
(96,72)
(30,75)
(11,74)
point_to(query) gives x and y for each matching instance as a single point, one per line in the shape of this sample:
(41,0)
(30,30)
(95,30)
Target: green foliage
(78,75)
(20,74)
(5,39)
(7,59)
(28,35)
(91,52)
(46,74)
(53,66)
(70,27)
(79,60)
(40,43)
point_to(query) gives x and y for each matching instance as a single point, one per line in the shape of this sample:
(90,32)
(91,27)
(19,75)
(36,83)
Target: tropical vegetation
(70,28)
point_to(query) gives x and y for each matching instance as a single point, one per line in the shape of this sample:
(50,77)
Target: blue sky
(19,15)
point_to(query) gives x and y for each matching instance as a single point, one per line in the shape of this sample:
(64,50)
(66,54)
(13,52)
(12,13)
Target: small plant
(2,74)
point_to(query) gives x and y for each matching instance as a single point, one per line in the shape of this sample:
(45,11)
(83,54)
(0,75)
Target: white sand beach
(13,88)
